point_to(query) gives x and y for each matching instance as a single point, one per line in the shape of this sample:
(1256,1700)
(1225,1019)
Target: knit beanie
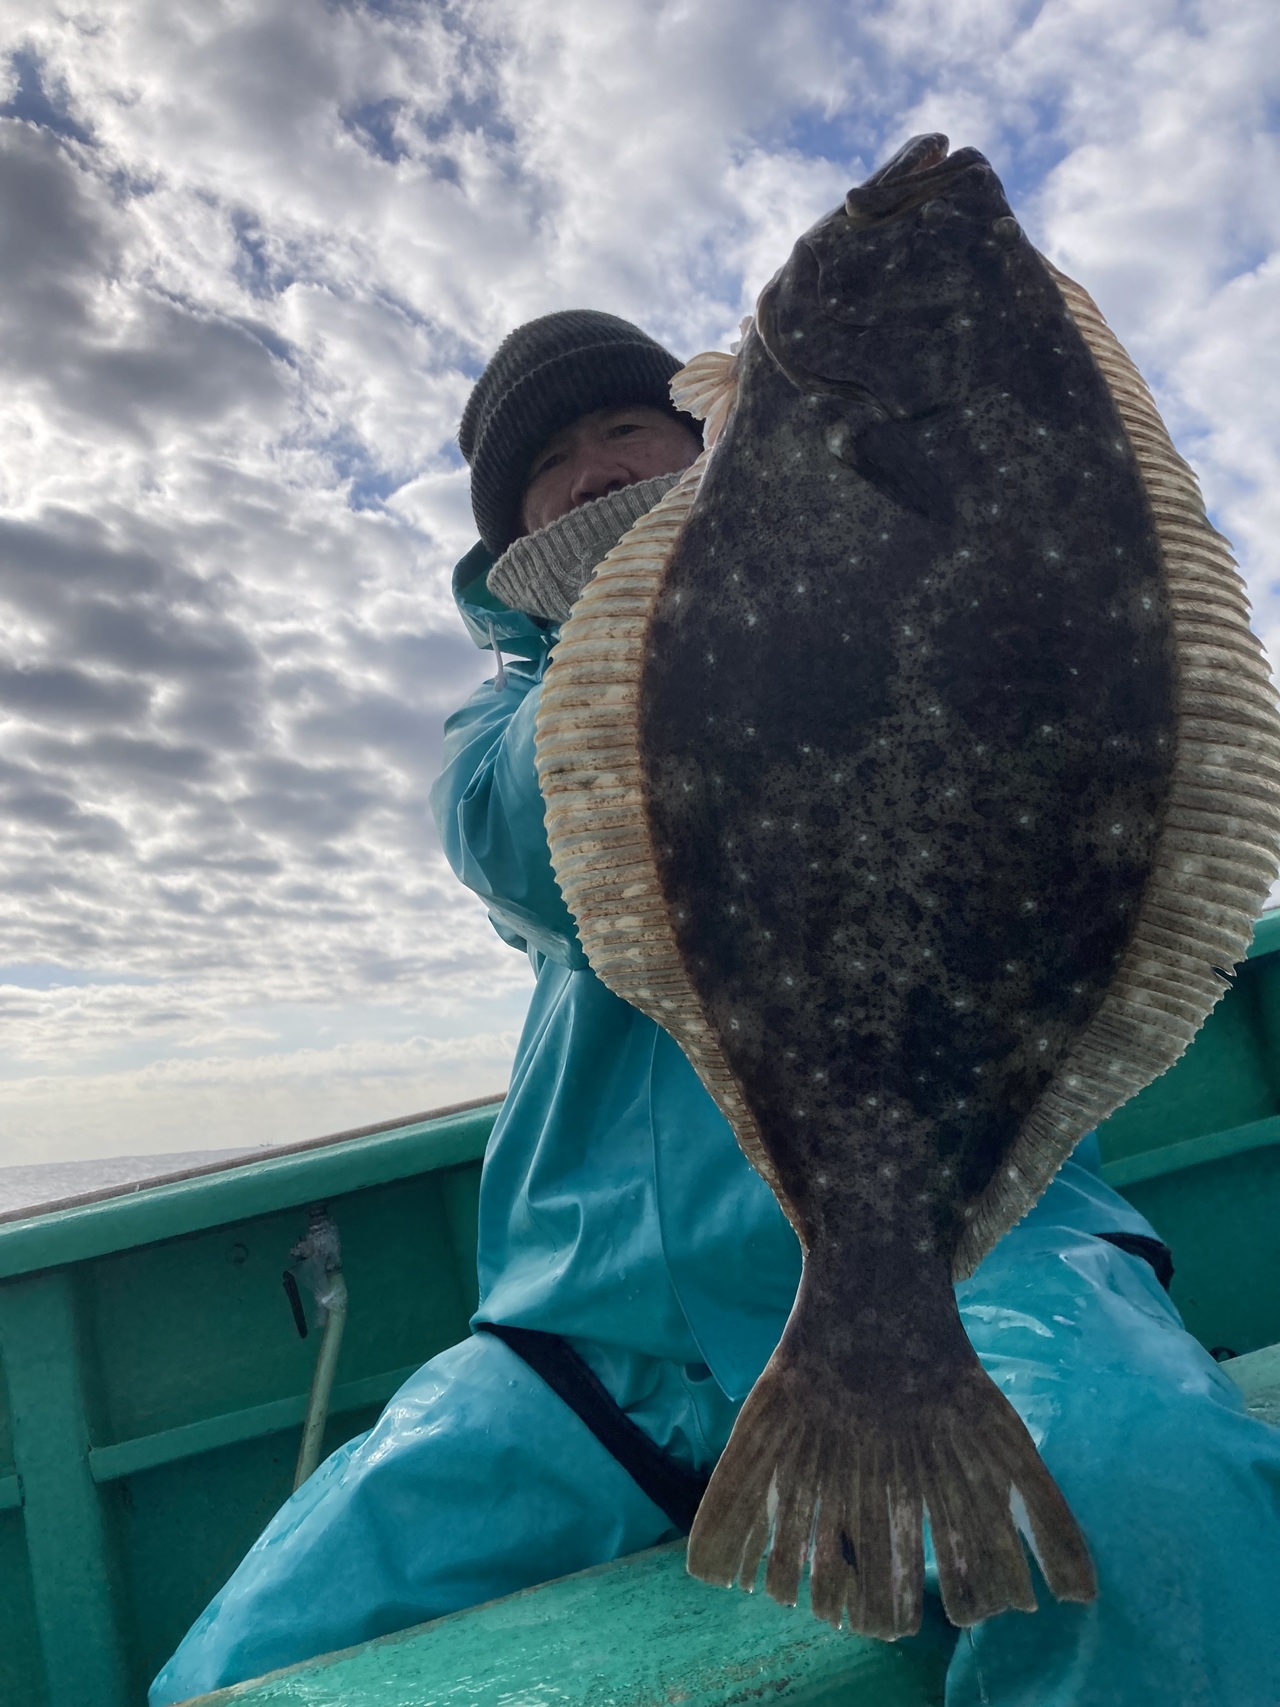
(542,377)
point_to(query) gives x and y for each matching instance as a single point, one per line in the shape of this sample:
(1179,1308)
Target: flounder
(913,764)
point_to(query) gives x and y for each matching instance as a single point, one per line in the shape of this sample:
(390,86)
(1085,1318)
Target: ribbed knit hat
(542,377)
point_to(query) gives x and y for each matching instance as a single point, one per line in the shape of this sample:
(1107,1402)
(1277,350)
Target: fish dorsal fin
(587,752)
(1218,847)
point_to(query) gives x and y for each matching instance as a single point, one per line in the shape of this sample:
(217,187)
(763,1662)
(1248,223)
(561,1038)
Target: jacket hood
(518,635)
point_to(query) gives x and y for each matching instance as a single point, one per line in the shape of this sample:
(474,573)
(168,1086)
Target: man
(635,1273)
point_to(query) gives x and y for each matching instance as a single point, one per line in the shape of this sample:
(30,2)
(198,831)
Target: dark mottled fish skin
(907,729)
(905,796)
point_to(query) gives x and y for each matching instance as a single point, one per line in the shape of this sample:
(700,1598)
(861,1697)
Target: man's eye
(621,427)
(547,464)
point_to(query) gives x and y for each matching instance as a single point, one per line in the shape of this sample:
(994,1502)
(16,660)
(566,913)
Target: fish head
(883,300)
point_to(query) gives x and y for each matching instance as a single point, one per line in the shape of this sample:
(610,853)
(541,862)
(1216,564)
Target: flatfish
(913,764)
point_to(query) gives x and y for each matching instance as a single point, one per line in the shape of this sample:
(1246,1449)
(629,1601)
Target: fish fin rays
(805,1487)
(707,389)
(1218,850)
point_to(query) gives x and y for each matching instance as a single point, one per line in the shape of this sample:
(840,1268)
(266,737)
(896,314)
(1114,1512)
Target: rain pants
(616,1210)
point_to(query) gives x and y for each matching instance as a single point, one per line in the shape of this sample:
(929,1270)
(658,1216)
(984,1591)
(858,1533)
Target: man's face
(603,452)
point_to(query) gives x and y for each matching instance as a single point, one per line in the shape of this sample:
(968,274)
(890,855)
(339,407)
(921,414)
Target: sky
(253,255)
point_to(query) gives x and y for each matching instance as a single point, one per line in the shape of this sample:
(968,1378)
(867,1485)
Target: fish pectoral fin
(887,454)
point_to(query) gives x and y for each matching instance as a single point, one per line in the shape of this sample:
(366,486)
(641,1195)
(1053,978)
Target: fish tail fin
(810,1479)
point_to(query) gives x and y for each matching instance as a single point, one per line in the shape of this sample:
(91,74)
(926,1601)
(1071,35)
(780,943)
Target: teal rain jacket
(616,1207)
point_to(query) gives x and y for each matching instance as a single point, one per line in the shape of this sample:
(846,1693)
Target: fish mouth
(917,172)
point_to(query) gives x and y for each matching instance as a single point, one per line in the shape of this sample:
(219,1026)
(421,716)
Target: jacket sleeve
(489,812)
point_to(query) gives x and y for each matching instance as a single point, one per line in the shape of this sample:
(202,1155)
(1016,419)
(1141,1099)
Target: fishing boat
(159,1397)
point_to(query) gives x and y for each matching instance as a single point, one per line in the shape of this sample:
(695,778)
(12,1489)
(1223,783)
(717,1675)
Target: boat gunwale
(195,1199)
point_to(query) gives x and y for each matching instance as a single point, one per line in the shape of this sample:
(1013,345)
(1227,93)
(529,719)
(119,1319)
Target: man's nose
(597,474)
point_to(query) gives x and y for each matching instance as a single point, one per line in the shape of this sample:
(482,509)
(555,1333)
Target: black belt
(672,1486)
(1153,1251)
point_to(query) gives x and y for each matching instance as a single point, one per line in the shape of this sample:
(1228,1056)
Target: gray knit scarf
(543,573)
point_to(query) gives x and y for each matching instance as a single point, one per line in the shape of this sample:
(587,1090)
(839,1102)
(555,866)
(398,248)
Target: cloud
(265,1100)
(251,261)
